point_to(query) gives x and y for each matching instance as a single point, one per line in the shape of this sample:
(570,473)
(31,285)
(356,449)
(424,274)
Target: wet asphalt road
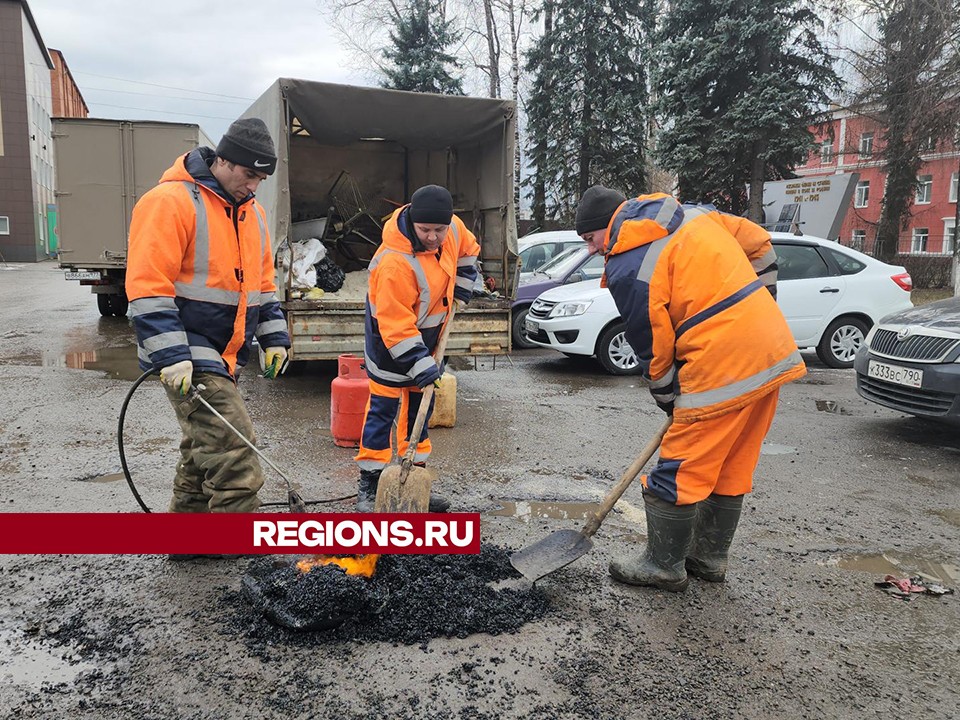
(845,492)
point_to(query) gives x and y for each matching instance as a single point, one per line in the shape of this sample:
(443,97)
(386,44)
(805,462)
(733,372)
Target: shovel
(405,488)
(561,548)
(294,501)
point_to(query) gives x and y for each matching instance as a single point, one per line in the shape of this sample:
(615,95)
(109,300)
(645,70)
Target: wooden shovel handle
(426,398)
(593,524)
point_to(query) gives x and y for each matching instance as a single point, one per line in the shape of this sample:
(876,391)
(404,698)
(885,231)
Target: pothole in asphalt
(23,662)
(108,478)
(891,563)
(119,363)
(775,449)
(951,516)
(527,510)
(832,406)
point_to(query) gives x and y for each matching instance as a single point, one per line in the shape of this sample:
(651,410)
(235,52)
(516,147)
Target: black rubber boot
(717,520)
(367,490)
(669,533)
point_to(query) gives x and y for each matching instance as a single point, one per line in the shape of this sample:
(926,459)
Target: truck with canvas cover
(102,169)
(348,157)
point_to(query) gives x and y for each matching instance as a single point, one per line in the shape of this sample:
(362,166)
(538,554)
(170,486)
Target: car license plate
(531,326)
(82,275)
(895,374)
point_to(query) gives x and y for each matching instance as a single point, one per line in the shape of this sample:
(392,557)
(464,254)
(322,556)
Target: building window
(4,225)
(918,242)
(953,187)
(826,152)
(949,237)
(862,196)
(924,189)
(866,145)
(858,239)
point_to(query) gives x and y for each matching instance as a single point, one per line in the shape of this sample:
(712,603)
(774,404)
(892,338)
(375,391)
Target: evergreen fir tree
(739,84)
(419,52)
(587,108)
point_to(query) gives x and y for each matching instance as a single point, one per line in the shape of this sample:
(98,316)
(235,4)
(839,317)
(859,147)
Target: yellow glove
(178,376)
(275,360)
(460,304)
(436,383)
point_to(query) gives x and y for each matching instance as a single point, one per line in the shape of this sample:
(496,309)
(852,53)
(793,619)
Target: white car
(539,248)
(830,295)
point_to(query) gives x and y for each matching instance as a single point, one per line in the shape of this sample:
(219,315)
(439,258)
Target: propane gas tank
(445,402)
(349,392)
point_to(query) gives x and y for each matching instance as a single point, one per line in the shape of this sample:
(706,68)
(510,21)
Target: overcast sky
(120,51)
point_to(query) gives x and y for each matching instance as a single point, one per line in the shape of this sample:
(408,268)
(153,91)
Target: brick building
(852,146)
(67,99)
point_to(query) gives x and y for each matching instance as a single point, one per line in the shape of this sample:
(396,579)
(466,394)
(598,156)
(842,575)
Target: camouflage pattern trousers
(217,472)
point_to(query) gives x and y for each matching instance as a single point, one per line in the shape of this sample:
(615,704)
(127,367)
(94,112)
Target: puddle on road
(526,511)
(951,516)
(111,477)
(119,363)
(23,662)
(775,449)
(890,563)
(832,406)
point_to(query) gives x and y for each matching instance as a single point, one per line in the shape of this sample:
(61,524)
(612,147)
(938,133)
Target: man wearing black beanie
(427,262)
(691,285)
(200,278)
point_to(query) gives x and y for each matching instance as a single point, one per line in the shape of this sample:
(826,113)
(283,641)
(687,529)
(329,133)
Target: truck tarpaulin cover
(343,114)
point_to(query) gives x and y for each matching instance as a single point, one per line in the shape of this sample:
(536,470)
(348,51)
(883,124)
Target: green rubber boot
(669,533)
(717,521)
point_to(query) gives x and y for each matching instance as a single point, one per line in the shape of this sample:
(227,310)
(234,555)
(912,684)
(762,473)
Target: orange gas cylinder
(349,392)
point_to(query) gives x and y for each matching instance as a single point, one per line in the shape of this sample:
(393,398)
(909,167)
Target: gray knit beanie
(247,142)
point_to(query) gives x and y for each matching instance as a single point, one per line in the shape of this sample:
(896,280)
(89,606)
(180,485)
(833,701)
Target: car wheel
(519,332)
(839,344)
(112,305)
(614,352)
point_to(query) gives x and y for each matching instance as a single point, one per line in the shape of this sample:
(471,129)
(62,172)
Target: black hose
(126,470)
(123,457)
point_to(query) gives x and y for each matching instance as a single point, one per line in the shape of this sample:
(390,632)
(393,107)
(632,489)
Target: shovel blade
(555,551)
(410,495)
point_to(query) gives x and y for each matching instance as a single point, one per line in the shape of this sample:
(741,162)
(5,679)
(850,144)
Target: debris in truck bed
(410,599)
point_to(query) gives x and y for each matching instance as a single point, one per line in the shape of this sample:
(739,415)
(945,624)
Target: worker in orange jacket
(200,279)
(426,262)
(696,289)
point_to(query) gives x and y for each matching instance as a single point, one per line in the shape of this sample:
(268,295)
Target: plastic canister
(445,402)
(349,393)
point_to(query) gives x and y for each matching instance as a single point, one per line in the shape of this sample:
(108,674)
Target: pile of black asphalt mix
(410,599)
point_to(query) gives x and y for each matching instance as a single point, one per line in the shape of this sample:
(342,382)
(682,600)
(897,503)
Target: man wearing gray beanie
(200,278)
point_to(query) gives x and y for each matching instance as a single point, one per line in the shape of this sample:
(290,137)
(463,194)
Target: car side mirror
(574,277)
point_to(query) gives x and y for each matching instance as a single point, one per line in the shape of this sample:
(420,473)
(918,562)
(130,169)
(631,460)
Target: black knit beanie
(596,208)
(431,205)
(247,142)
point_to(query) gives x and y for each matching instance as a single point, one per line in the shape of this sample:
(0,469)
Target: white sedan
(830,295)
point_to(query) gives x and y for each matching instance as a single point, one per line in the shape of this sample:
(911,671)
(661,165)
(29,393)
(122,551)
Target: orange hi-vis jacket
(709,337)
(200,273)
(409,295)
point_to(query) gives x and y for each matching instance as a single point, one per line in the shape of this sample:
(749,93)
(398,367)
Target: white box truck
(102,169)
(350,155)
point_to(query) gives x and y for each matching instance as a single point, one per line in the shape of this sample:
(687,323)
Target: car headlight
(570,309)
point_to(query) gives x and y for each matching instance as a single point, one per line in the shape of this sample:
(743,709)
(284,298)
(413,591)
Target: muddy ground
(846,491)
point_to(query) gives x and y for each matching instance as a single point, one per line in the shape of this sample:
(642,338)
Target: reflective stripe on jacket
(200,276)
(706,335)
(408,298)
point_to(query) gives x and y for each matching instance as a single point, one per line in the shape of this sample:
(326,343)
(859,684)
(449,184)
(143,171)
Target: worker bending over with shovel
(692,287)
(200,279)
(427,261)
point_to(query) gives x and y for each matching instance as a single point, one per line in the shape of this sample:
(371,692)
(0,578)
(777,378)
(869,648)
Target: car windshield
(563,264)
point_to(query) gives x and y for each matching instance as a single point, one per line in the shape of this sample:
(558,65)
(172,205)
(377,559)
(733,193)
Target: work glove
(275,360)
(431,380)
(460,304)
(178,376)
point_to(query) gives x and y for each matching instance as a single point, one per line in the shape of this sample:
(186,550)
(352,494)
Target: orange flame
(363,565)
